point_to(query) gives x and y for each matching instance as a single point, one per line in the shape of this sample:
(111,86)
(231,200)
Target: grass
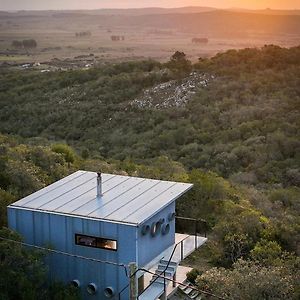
(12,58)
(139,42)
(199,259)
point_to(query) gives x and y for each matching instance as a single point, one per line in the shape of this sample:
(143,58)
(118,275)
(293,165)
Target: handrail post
(133,285)
(181,247)
(174,279)
(196,234)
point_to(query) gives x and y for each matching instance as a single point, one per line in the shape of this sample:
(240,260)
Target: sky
(94,4)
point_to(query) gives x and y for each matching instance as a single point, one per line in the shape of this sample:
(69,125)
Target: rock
(172,93)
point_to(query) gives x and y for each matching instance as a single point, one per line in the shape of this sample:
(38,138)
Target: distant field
(155,36)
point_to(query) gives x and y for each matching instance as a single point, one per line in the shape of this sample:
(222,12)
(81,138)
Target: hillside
(70,39)
(154,11)
(242,123)
(253,231)
(211,23)
(229,125)
(215,23)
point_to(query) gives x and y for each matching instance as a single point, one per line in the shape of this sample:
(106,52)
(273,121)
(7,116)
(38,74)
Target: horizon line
(150,7)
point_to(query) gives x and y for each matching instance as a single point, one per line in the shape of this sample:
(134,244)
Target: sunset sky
(92,4)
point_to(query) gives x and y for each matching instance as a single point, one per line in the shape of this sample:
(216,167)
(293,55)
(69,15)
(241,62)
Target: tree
(23,275)
(17,44)
(178,56)
(266,252)
(192,275)
(249,280)
(22,272)
(85,153)
(5,199)
(179,63)
(29,44)
(67,152)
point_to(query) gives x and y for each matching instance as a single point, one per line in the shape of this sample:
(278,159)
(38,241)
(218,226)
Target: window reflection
(96,242)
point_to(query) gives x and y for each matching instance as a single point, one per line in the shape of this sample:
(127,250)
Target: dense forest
(236,139)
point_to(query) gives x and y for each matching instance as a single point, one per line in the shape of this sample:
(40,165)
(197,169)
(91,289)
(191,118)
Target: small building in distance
(112,219)
(199,40)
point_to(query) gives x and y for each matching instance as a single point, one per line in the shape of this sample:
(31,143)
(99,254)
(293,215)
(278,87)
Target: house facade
(98,224)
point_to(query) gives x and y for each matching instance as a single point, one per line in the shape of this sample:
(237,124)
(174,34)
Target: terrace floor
(186,244)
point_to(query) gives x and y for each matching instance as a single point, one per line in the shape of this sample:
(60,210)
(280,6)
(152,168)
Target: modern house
(98,224)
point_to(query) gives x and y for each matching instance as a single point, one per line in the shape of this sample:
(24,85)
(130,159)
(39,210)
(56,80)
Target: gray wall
(148,246)
(58,231)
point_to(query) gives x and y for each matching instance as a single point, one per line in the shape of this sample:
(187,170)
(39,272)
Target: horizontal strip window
(95,242)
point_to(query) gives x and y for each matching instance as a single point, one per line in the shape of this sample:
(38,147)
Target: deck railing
(196,227)
(199,227)
(163,273)
(191,226)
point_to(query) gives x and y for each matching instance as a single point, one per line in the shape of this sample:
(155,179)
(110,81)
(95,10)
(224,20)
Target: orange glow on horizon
(98,4)
(245,4)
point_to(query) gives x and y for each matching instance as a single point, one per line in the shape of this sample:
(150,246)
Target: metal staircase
(189,291)
(167,267)
(158,285)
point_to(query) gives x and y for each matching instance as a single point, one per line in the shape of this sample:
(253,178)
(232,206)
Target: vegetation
(24,276)
(27,44)
(250,280)
(236,140)
(243,125)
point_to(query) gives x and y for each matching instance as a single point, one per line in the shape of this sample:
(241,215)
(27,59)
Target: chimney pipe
(99,185)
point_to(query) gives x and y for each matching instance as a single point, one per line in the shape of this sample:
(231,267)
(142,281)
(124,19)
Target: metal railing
(163,273)
(197,224)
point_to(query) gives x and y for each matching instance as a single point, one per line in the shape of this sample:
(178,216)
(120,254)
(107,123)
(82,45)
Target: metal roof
(125,199)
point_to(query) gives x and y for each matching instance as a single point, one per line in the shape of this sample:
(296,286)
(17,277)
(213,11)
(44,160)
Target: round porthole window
(165,229)
(162,220)
(145,229)
(109,292)
(171,216)
(75,283)
(155,228)
(91,288)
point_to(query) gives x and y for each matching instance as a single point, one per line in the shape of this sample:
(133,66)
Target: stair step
(158,280)
(183,288)
(194,294)
(169,269)
(166,274)
(153,292)
(165,263)
(188,290)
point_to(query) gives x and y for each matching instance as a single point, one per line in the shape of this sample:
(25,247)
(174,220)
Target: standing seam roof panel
(49,188)
(78,190)
(152,205)
(71,195)
(114,196)
(128,196)
(40,201)
(130,200)
(85,207)
(83,199)
(135,203)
